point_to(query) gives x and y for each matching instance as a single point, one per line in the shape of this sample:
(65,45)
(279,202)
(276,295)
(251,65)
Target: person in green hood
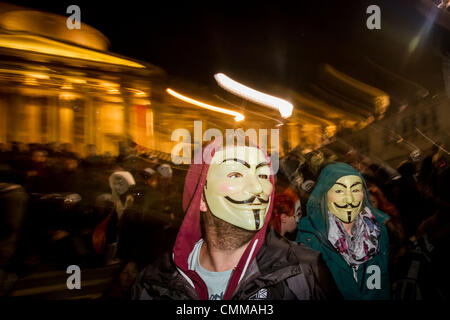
(350,233)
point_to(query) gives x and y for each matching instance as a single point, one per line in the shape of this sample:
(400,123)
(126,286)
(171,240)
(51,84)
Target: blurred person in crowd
(409,200)
(38,172)
(16,159)
(358,161)
(156,216)
(13,200)
(397,237)
(435,187)
(169,193)
(122,285)
(284,218)
(150,177)
(104,223)
(350,233)
(67,148)
(289,178)
(96,170)
(92,159)
(429,242)
(69,177)
(224,248)
(91,150)
(143,222)
(121,184)
(302,176)
(165,175)
(290,174)
(6,171)
(315,162)
(151,195)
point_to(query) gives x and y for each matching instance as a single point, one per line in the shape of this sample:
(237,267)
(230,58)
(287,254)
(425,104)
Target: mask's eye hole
(234,175)
(263,176)
(339,191)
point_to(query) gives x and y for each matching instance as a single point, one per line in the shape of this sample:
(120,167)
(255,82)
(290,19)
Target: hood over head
(317,206)
(190,231)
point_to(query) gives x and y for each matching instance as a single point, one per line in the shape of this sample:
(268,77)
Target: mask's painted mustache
(250,200)
(348,205)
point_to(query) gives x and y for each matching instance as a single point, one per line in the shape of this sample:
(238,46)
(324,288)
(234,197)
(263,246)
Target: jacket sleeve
(139,290)
(322,282)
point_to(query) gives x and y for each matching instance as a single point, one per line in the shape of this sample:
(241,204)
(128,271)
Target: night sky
(254,42)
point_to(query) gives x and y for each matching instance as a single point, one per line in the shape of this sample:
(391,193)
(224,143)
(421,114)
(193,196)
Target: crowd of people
(57,208)
(413,198)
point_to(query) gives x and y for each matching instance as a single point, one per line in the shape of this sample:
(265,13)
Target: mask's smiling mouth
(347,206)
(248,201)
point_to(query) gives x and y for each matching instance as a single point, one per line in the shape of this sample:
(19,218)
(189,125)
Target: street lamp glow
(237,116)
(284,107)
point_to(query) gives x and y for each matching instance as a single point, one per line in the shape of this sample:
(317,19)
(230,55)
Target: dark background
(280,42)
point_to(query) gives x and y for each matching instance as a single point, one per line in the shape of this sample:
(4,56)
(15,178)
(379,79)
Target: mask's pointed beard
(257,218)
(349,216)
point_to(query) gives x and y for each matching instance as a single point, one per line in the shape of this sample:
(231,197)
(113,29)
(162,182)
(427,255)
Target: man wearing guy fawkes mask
(224,248)
(350,233)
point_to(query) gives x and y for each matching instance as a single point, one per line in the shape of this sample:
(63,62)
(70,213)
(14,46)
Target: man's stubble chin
(223,235)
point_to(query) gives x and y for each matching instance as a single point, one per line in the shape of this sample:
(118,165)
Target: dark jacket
(282,270)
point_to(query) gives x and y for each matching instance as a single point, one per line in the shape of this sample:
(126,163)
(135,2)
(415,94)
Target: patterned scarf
(359,247)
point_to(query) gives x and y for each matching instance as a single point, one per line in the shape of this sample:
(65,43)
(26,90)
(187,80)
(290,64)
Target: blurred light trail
(259,114)
(237,116)
(38,44)
(238,89)
(360,92)
(433,142)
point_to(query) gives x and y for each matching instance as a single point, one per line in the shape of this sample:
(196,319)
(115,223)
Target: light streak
(284,107)
(237,116)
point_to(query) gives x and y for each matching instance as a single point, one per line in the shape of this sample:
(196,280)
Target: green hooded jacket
(373,283)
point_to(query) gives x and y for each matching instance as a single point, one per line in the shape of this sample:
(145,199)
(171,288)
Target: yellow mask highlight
(345,198)
(238,187)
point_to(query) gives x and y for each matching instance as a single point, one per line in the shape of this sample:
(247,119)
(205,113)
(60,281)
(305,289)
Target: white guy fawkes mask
(238,187)
(345,198)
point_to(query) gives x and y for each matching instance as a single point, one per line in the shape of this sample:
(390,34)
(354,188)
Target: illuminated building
(64,86)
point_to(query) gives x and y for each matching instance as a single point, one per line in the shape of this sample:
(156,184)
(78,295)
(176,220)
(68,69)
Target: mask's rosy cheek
(227,188)
(361,196)
(332,198)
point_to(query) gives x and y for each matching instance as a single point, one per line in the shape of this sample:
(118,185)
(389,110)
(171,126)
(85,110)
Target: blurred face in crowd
(373,198)
(238,187)
(119,183)
(91,150)
(345,198)
(288,223)
(71,164)
(128,275)
(39,156)
(317,159)
(284,217)
(152,181)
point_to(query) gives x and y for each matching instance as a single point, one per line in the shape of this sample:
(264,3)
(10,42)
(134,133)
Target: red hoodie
(190,231)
